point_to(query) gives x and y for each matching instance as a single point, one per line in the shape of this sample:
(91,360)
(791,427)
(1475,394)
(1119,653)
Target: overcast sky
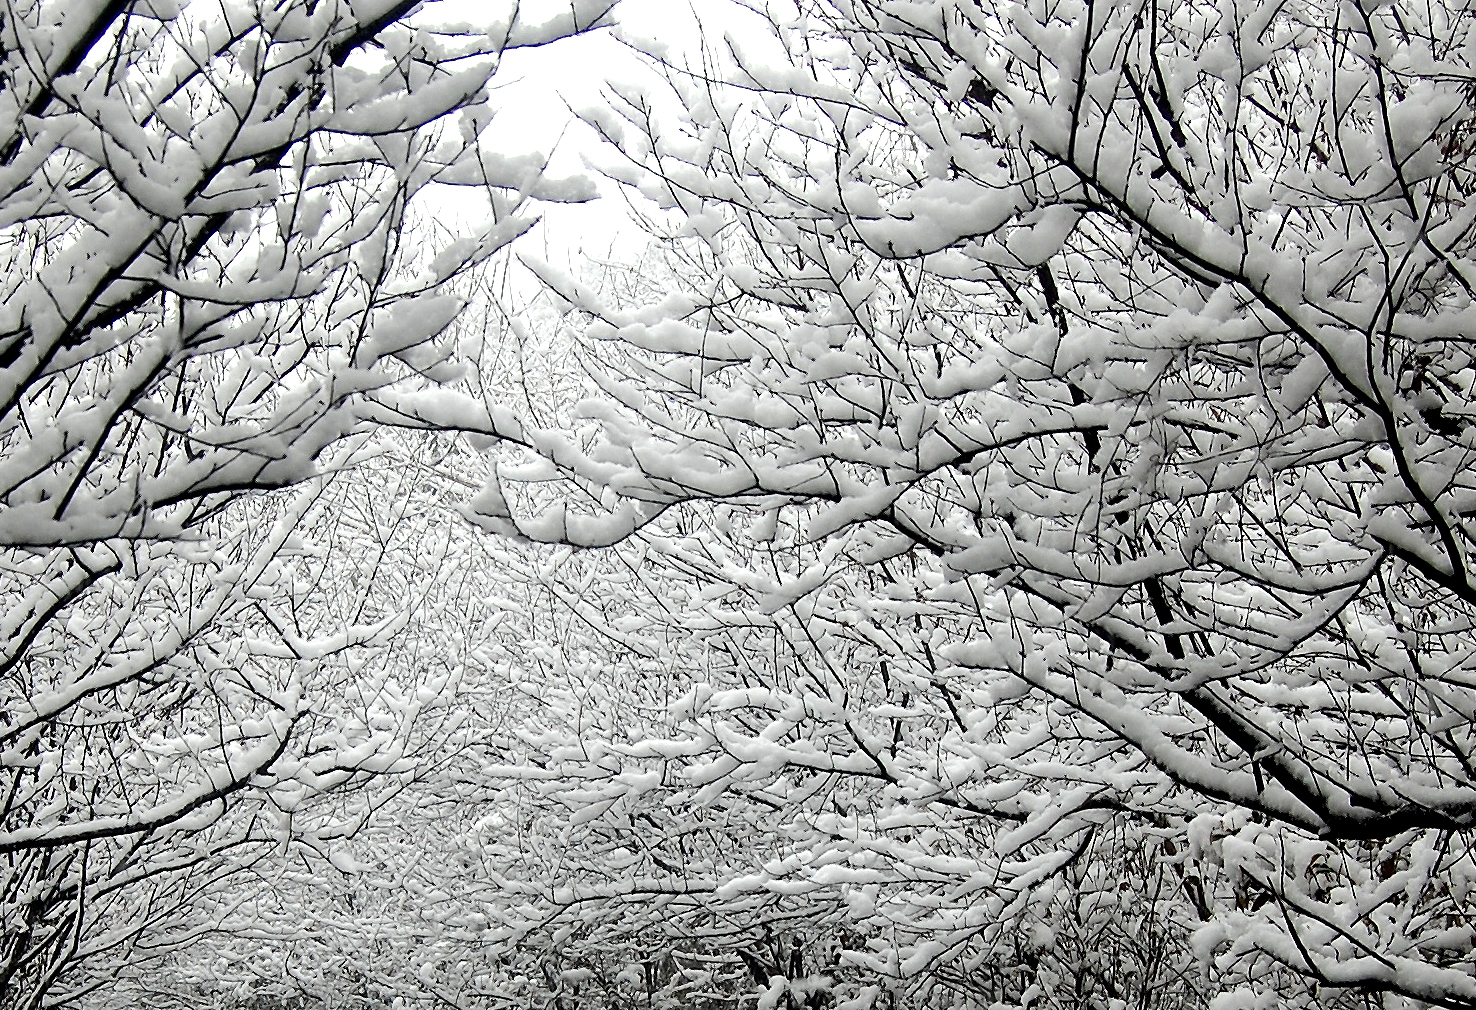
(537,87)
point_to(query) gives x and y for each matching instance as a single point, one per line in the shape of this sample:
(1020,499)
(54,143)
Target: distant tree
(776,787)
(1087,393)
(209,305)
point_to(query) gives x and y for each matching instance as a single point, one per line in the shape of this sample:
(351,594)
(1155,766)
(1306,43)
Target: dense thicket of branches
(1034,455)
(205,290)
(1083,390)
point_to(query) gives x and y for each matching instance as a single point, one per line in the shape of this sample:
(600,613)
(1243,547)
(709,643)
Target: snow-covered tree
(1086,392)
(210,301)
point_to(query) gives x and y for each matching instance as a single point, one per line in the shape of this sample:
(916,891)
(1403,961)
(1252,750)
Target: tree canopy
(1081,391)
(1003,543)
(207,290)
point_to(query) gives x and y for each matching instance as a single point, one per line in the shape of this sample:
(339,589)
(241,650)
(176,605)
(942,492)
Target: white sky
(535,88)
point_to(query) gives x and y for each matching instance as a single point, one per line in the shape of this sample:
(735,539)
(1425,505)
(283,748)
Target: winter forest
(998,532)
